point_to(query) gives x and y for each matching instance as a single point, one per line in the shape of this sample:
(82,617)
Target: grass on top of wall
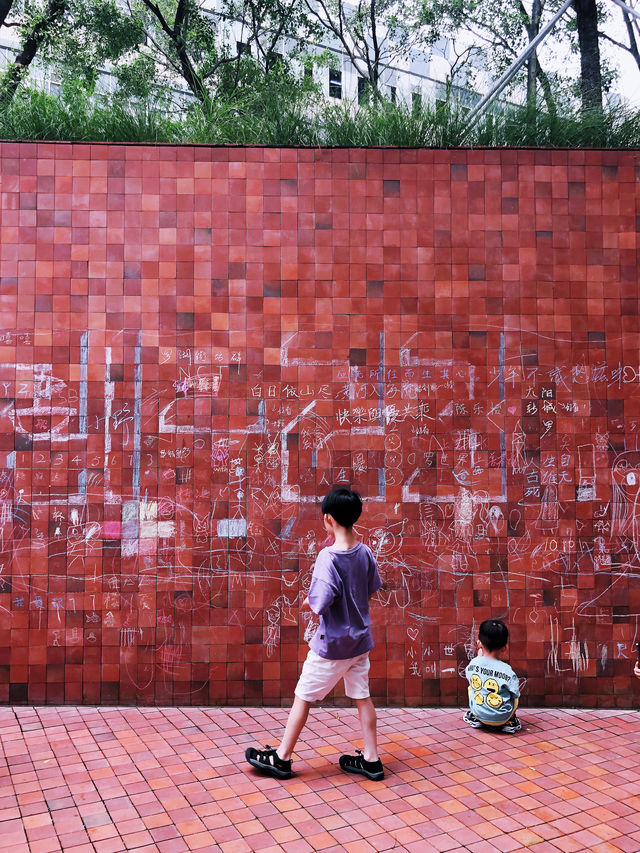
(255,119)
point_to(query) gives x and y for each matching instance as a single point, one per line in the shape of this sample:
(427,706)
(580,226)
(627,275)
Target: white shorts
(319,676)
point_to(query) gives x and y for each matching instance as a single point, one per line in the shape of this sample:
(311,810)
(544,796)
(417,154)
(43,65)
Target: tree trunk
(532,63)
(376,70)
(36,34)
(5,8)
(191,76)
(547,93)
(590,74)
(177,34)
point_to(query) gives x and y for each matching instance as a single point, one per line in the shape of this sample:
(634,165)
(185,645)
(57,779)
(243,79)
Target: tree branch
(376,48)
(5,8)
(495,38)
(152,7)
(169,62)
(619,44)
(633,44)
(338,30)
(526,20)
(178,37)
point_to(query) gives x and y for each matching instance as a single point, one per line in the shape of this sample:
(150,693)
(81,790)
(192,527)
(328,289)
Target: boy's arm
(321,596)
(375,581)
(324,587)
(514,685)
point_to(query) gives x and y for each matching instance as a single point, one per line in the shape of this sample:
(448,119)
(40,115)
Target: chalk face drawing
(198,343)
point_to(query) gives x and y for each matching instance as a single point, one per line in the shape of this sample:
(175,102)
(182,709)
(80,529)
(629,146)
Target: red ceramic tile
(196,343)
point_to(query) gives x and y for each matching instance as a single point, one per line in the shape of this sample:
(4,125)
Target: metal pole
(629,9)
(510,73)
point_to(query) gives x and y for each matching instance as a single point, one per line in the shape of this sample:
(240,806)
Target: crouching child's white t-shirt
(493,689)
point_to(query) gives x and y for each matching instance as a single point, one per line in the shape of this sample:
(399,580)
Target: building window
(416,102)
(242,47)
(363,90)
(393,94)
(308,72)
(335,83)
(51,83)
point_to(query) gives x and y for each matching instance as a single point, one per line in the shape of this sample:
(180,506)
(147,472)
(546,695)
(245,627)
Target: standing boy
(344,577)
(493,686)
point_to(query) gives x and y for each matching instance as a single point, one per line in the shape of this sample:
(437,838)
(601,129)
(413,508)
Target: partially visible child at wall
(345,576)
(493,686)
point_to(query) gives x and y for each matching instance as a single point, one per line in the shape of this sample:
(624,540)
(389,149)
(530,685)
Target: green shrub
(74,117)
(279,113)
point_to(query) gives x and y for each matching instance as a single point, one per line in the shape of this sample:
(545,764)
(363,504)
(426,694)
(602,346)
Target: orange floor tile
(174,779)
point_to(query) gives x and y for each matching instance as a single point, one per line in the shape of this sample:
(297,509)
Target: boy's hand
(305,604)
(636,670)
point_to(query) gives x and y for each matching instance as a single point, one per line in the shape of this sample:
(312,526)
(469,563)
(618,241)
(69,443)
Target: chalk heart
(412,633)
(512,410)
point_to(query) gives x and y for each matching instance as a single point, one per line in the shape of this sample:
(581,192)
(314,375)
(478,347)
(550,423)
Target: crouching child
(494,689)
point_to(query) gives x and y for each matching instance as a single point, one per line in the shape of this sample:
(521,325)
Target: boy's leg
(367,763)
(469,717)
(277,762)
(513,724)
(295,723)
(317,678)
(368,724)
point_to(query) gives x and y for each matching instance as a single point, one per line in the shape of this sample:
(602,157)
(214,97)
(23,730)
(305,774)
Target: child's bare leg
(367,714)
(295,723)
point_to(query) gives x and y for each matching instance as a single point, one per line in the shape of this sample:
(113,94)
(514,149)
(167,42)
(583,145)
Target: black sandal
(269,762)
(356,764)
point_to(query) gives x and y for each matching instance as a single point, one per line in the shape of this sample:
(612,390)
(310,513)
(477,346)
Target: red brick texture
(195,343)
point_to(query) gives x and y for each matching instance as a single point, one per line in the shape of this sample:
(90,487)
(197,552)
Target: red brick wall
(196,342)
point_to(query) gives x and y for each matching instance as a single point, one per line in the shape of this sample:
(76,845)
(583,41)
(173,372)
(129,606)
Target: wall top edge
(234,147)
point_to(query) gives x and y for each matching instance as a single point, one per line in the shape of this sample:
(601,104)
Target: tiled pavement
(171,780)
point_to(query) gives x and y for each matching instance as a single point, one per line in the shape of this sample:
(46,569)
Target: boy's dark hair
(343,505)
(493,634)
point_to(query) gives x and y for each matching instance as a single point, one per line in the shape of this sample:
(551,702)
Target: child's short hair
(343,505)
(493,634)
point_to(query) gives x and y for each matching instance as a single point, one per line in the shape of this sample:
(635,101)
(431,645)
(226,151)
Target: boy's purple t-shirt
(341,586)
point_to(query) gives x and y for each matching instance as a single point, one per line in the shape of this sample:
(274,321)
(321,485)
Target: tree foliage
(160,45)
(77,37)
(185,45)
(242,52)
